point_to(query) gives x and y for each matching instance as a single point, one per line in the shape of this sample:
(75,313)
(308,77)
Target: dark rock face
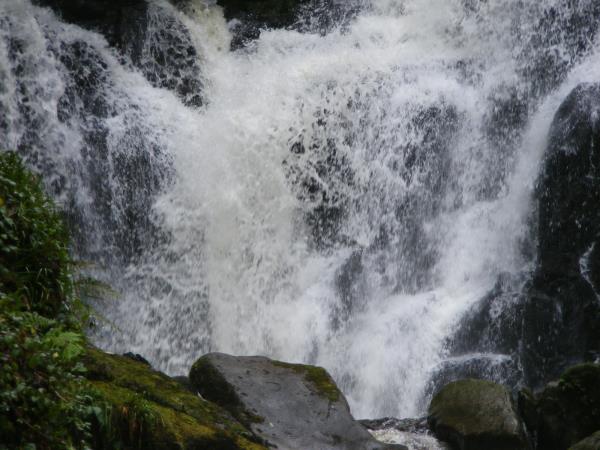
(550,319)
(475,415)
(562,304)
(256,14)
(248,17)
(569,186)
(566,411)
(290,406)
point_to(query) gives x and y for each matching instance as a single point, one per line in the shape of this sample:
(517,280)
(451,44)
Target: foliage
(35,266)
(44,399)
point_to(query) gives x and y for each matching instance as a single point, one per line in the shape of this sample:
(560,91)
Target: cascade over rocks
(575,31)
(291,406)
(151,37)
(474,415)
(544,324)
(251,16)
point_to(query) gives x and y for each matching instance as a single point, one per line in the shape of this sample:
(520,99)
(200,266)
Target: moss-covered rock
(590,443)
(292,406)
(568,410)
(148,410)
(476,414)
(317,376)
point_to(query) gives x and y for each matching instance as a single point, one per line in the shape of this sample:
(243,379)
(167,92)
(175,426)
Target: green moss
(182,418)
(317,376)
(458,404)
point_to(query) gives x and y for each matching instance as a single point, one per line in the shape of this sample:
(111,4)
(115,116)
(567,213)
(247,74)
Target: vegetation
(58,392)
(43,399)
(149,410)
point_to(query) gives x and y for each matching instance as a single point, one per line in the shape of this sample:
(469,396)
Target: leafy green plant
(35,266)
(45,401)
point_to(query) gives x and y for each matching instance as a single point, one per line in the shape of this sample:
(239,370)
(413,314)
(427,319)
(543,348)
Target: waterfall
(336,195)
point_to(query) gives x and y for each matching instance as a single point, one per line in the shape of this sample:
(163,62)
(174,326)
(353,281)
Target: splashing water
(336,198)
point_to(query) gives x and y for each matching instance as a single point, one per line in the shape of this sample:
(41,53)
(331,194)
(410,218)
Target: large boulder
(567,410)
(562,301)
(148,410)
(290,406)
(476,414)
(569,189)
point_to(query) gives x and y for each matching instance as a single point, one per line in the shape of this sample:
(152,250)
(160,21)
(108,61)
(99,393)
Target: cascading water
(338,198)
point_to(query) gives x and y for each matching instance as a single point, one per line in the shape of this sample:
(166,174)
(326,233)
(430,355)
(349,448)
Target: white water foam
(389,118)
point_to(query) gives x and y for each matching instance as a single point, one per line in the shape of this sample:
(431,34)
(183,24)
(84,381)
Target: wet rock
(590,443)
(290,406)
(567,410)
(407,425)
(247,18)
(474,415)
(563,305)
(570,184)
(250,17)
(548,320)
(136,357)
(149,410)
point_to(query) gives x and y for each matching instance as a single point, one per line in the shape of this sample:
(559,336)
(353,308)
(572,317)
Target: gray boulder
(475,415)
(290,406)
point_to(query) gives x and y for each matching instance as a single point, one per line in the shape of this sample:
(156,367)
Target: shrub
(44,402)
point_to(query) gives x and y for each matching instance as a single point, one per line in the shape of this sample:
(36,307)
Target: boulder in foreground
(146,409)
(567,410)
(291,406)
(476,414)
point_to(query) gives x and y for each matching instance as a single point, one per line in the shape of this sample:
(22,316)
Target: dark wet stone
(475,415)
(289,405)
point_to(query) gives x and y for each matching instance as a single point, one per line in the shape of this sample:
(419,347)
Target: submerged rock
(566,411)
(291,406)
(475,415)
(151,411)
